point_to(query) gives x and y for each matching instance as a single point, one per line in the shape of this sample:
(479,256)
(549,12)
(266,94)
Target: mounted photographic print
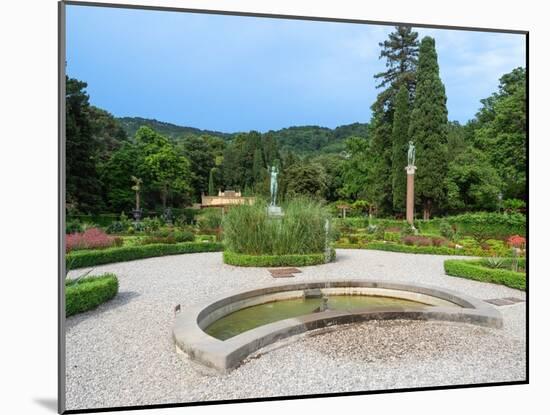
(264,206)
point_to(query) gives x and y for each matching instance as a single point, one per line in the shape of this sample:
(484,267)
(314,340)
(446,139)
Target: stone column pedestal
(410,194)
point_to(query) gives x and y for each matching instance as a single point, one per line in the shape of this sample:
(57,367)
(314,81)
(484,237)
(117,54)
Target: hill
(302,140)
(131,125)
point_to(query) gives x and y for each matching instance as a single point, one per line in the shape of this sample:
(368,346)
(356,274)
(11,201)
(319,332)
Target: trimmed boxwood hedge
(409,249)
(87,293)
(301,260)
(475,270)
(89,258)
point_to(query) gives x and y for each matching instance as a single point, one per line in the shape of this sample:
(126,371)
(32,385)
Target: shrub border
(474,270)
(408,249)
(89,258)
(89,292)
(295,260)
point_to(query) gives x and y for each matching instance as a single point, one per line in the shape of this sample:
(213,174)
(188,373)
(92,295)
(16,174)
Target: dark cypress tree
(428,130)
(211,183)
(399,149)
(380,163)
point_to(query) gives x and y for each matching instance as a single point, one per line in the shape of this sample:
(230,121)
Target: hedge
(87,293)
(89,258)
(409,249)
(302,260)
(497,225)
(474,270)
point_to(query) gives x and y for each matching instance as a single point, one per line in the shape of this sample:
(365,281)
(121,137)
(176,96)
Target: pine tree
(399,149)
(400,52)
(428,130)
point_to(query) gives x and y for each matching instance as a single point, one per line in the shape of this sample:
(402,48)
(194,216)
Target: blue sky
(231,74)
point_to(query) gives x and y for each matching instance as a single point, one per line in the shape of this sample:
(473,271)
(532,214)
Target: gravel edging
(122,353)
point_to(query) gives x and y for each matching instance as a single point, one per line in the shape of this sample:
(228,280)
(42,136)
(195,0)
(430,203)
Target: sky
(232,73)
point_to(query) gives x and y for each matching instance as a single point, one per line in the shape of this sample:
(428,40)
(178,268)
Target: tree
(401,54)
(83,187)
(201,161)
(400,140)
(333,165)
(428,130)
(259,173)
(167,170)
(472,183)
(106,131)
(116,174)
(356,171)
(213,180)
(502,133)
(379,159)
(304,179)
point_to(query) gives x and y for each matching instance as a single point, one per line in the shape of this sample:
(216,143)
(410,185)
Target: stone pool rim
(224,355)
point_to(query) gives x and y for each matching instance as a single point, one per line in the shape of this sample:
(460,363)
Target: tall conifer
(399,149)
(428,130)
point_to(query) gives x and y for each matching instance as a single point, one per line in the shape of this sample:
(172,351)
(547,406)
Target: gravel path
(122,353)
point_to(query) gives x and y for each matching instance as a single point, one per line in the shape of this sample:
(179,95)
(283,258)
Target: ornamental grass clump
(93,238)
(249,230)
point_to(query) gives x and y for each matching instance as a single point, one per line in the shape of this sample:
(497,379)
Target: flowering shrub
(516,241)
(93,238)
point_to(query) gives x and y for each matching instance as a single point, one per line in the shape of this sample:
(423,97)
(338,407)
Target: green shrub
(475,270)
(413,249)
(249,230)
(209,220)
(87,293)
(184,236)
(392,237)
(73,226)
(89,258)
(116,227)
(353,239)
(244,260)
(380,232)
(446,230)
(351,223)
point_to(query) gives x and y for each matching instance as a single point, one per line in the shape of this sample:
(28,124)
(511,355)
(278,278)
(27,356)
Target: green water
(258,315)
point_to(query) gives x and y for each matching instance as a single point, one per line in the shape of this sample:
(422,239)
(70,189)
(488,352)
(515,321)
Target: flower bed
(477,270)
(89,258)
(93,238)
(87,293)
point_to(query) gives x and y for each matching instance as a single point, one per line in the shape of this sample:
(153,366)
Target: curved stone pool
(223,332)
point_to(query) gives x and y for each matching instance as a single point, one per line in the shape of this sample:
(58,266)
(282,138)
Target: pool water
(258,315)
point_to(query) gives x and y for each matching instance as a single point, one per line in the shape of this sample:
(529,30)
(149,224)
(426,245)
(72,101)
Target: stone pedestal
(410,193)
(275,211)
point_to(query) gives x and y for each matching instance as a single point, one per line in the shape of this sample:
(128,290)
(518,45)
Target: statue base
(275,211)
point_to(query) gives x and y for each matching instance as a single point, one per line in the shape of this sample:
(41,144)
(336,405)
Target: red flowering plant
(516,241)
(93,238)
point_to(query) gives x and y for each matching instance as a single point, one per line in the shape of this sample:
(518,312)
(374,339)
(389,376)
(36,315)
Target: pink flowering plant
(93,238)
(516,241)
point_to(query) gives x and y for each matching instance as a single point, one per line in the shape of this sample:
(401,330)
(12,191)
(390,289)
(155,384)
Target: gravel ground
(122,353)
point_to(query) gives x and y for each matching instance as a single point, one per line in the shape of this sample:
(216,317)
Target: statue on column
(411,154)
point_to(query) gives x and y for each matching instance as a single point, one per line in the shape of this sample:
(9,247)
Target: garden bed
(87,293)
(408,249)
(89,258)
(294,260)
(477,270)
